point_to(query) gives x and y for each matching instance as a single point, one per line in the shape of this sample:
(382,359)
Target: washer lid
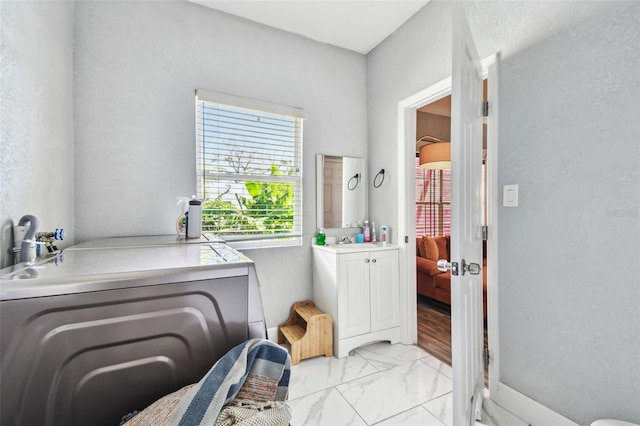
(81,270)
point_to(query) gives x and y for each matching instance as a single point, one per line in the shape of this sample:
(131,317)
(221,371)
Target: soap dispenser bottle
(320,238)
(367,232)
(181,223)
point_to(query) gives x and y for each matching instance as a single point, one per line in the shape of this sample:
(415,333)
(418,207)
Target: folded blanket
(257,370)
(247,386)
(242,413)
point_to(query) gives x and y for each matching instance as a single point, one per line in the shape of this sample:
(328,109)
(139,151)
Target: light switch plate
(510,195)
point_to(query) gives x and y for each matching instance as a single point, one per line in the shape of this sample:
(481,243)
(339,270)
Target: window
(249,170)
(433,201)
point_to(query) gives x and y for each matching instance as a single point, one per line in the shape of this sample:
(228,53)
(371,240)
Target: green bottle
(320,237)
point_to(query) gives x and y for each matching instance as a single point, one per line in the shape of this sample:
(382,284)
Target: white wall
(36,131)
(569,254)
(417,55)
(569,314)
(136,67)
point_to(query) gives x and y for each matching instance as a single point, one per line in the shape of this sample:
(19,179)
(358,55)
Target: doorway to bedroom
(433,227)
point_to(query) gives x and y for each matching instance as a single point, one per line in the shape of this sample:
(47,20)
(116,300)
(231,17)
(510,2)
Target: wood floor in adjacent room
(434,329)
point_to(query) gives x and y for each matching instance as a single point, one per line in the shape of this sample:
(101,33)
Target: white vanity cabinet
(358,284)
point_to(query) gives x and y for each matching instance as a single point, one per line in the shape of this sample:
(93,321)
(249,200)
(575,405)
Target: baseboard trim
(527,409)
(272,334)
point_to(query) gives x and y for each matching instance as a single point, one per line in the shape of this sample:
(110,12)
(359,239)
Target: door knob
(444,266)
(472,268)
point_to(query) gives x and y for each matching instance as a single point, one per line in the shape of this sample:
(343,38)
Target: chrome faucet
(345,240)
(28,237)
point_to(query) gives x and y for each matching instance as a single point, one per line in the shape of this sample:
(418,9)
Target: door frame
(407,109)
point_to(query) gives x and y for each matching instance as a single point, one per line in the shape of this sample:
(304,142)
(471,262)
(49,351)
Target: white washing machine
(109,326)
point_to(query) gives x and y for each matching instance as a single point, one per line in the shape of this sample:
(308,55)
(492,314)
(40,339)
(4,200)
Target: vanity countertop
(355,247)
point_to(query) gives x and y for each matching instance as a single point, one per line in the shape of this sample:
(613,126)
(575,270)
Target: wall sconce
(350,185)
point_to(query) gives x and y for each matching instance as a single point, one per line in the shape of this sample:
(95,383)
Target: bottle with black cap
(194,221)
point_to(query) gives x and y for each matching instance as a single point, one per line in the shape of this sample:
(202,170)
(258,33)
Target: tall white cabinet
(358,284)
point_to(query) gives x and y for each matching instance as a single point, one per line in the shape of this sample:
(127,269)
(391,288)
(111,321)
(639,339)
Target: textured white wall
(137,65)
(416,56)
(36,131)
(569,320)
(569,254)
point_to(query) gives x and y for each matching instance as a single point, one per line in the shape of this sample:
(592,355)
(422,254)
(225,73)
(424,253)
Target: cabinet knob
(366,260)
(373,261)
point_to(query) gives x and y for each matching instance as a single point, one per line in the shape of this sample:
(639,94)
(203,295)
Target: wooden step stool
(309,331)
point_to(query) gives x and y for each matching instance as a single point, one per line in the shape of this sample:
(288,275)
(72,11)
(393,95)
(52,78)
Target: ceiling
(358,25)
(439,107)
(443,106)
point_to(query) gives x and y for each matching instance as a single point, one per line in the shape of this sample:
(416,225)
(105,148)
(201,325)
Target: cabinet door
(385,292)
(354,309)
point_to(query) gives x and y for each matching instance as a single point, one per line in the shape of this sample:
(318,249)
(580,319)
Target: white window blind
(433,201)
(249,169)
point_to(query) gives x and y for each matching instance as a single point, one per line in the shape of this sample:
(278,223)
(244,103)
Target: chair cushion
(443,247)
(426,266)
(429,248)
(443,281)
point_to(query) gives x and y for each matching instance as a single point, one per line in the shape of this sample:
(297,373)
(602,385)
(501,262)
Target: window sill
(244,243)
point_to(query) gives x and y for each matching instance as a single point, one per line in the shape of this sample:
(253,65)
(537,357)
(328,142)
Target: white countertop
(355,247)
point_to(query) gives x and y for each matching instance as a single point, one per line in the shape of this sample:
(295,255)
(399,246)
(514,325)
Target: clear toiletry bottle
(320,238)
(367,232)
(181,223)
(373,232)
(384,235)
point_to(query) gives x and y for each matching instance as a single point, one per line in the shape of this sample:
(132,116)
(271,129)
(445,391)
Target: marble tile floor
(379,384)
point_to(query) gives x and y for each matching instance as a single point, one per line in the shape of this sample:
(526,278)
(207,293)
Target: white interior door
(466,224)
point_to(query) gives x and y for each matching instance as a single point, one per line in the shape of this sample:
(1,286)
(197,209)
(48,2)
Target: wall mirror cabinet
(341,184)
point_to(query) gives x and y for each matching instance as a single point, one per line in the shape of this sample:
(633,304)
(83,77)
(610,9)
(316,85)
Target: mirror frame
(320,190)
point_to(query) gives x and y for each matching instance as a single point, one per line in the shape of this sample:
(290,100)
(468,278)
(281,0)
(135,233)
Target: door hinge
(406,239)
(486,356)
(485,232)
(485,109)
